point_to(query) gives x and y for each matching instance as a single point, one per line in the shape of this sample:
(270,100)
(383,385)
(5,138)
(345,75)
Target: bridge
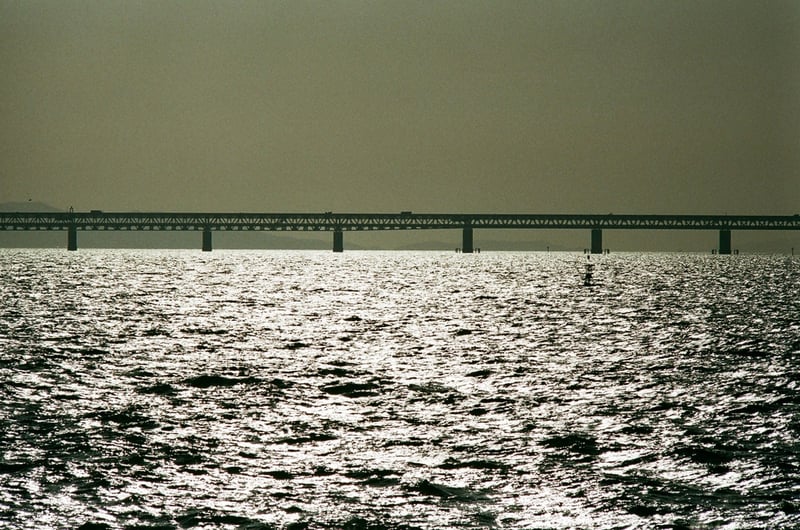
(338,223)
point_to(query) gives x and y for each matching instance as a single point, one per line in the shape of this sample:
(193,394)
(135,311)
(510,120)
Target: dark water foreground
(261,390)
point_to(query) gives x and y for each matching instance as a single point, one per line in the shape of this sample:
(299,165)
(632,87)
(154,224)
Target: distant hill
(28,206)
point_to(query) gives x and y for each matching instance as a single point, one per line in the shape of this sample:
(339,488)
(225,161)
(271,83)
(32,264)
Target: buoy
(589,272)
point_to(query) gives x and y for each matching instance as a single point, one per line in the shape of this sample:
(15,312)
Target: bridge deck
(383,221)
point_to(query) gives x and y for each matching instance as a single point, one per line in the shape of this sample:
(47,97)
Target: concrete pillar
(338,241)
(206,239)
(466,240)
(72,238)
(724,241)
(597,241)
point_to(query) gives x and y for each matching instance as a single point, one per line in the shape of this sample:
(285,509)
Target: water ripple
(174,389)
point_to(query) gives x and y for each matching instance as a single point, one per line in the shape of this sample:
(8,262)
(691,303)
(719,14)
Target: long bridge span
(338,223)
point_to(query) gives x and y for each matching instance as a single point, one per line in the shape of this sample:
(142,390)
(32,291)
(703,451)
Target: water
(265,389)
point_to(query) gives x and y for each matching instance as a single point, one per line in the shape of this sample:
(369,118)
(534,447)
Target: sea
(370,390)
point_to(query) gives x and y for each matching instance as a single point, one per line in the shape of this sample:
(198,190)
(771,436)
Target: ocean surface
(397,390)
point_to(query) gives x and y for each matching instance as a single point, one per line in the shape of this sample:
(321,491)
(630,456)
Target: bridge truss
(383,221)
(338,223)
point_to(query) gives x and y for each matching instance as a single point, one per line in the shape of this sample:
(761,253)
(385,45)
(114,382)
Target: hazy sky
(457,105)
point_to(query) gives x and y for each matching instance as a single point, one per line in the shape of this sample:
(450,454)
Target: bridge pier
(597,241)
(466,240)
(72,238)
(724,241)
(338,241)
(206,239)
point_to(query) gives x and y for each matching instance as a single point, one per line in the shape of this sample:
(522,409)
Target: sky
(378,106)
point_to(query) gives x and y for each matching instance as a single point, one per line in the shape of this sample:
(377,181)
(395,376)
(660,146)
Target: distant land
(28,206)
(448,240)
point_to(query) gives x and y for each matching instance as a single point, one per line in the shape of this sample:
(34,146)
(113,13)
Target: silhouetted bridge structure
(338,223)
